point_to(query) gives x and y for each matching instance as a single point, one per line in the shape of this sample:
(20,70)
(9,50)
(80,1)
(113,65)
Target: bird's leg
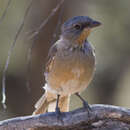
(57,108)
(85,103)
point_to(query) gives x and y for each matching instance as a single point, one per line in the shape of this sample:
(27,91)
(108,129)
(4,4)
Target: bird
(70,66)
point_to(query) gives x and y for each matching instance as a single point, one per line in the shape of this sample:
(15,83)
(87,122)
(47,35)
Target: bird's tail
(48,103)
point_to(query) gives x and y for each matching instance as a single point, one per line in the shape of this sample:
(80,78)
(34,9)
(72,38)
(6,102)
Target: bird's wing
(51,56)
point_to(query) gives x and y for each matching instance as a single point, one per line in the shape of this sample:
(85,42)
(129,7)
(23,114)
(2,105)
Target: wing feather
(51,57)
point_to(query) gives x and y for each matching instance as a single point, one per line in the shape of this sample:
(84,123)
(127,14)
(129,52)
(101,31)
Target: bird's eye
(77,26)
(88,24)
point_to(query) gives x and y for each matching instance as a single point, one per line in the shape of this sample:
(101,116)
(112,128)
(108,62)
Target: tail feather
(43,103)
(48,102)
(64,103)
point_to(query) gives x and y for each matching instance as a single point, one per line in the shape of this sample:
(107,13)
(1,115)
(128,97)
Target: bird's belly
(69,76)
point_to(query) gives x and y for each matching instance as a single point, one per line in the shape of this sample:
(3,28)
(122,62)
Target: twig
(37,31)
(28,71)
(58,25)
(5,11)
(10,52)
(102,117)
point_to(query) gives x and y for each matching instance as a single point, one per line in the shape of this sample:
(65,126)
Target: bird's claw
(58,114)
(87,107)
(58,111)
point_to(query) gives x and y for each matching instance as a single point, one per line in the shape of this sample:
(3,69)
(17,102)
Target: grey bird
(70,66)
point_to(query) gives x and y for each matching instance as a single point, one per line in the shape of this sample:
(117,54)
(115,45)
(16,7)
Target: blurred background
(111,83)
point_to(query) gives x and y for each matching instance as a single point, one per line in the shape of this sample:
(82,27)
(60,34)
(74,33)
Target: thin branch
(37,31)
(102,116)
(10,52)
(29,56)
(58,25)
(5,11)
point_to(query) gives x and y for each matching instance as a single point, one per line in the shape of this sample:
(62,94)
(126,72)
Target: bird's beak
(95,24)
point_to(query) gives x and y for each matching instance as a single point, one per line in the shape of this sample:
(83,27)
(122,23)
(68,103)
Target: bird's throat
(85,33)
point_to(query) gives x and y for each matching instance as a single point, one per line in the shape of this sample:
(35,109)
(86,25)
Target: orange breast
(68,75)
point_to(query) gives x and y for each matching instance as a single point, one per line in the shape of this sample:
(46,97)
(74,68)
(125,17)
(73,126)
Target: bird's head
(78,28)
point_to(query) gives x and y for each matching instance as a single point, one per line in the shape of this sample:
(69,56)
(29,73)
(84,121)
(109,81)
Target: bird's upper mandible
(78,28)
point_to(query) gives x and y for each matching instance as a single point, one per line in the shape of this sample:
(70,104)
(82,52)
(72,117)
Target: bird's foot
(58,114)
(87,107)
